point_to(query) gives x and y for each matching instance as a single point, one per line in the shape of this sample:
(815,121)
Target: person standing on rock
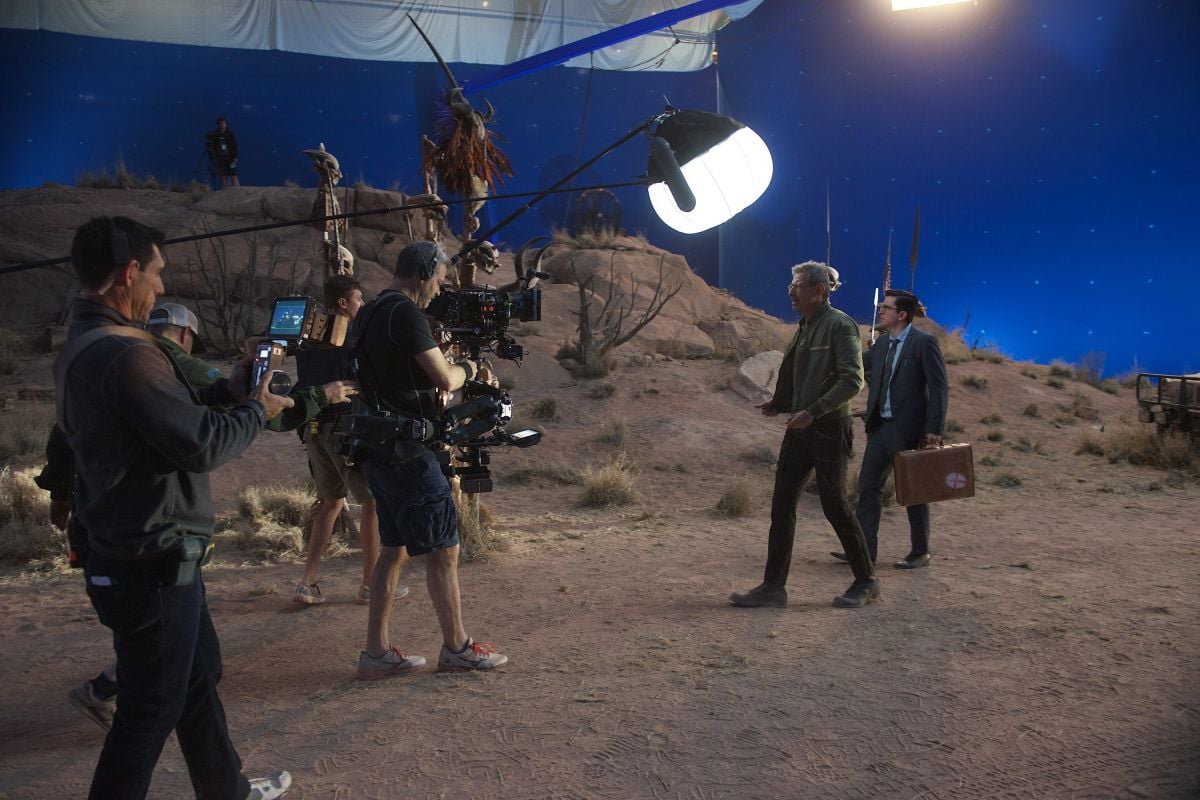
(820,374)
(222,148)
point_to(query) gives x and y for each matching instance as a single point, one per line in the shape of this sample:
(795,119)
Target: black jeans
(824,447)
(883,443)
(168,666)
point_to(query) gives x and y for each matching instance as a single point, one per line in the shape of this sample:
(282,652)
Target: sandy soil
(1050,650)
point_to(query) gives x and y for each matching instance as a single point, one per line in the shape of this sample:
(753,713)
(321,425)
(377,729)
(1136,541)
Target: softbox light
(725,167)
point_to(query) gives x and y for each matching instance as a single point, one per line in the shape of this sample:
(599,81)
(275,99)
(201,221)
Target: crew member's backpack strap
(356,356)
(75,347)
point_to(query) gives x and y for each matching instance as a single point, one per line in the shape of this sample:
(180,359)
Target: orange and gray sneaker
(473,656)
(392,662)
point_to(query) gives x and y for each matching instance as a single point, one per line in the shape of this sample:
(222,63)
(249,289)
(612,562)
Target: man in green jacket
(821,373)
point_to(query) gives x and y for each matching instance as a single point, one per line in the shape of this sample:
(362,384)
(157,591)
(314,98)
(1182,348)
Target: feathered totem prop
(464,157)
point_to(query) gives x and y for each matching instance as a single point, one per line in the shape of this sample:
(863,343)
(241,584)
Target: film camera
(479,318)
(296,323)
(471,428)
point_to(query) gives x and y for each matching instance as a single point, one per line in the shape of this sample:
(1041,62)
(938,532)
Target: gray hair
(816,272)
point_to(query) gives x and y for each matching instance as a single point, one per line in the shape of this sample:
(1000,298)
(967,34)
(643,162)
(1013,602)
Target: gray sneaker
(99,711)
(364,593)
(393,662)
(472,657)
(274,785)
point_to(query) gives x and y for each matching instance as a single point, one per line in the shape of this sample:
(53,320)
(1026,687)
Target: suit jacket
(920,392)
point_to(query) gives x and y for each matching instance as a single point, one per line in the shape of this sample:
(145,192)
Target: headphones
(427,254)
(119,245)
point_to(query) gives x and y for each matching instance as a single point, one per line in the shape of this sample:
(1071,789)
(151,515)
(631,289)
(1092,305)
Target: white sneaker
(274,785)
(307,595)
(99,711)
(472,657)
(393,662)
(364,593)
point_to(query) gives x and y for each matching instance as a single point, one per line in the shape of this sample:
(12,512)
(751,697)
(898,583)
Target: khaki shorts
(330,472)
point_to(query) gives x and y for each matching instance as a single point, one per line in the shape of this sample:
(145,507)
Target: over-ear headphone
(119,245)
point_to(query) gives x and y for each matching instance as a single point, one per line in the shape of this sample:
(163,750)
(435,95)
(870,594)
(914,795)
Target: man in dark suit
(906,408)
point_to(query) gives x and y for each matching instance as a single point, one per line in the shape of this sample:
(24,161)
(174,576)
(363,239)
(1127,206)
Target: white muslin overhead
(468,31)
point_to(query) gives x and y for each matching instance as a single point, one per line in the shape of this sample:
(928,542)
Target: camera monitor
(287,317)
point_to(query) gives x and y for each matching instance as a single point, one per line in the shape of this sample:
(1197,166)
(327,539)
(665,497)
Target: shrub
(1007,480)
(24,430)
(25,531)
(544,408)
(992,419)
(1110,386)
(1024,445)
(954,349)
(1055,383)
(1082,408)
(1140,445)
(995,436)
(761,454)
(612,432)
(1031,410)
(1065,420)
(271,522)
(601,391)
(738,498)
(1029,373)
(1090,368)
(992,461)
(973,381)
(954,426)
(475,532)
(1060,369)
(609,484)
(1090,444)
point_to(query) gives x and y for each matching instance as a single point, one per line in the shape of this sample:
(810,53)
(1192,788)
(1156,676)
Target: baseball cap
(176,314)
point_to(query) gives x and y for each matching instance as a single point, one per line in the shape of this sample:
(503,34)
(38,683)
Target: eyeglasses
(882,306)
(799,285)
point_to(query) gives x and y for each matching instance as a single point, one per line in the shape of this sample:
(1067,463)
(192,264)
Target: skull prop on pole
(338,258)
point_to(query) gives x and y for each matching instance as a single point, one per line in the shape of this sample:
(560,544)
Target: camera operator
(144,441)
(322,397)
(400,371)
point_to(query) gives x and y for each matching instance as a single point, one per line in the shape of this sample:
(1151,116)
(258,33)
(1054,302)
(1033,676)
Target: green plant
(973,381)
(995,436)
(608,484)
(1007,480)
(738,497)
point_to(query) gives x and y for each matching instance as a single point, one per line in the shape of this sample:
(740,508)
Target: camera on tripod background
(297,323)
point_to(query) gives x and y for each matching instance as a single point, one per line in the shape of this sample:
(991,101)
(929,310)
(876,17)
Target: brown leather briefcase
(933,474)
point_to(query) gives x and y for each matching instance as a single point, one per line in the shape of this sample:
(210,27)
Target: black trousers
(168,666)
(882,444)
(823,447)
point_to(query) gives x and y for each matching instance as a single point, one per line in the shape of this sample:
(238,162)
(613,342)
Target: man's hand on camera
(767,409)
(339,391)
(239,376)
(60,513)
(272,403)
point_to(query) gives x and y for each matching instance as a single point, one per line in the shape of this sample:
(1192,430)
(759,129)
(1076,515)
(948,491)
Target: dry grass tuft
(1061,369)
(1007,480)
(25,531)
(24,430)
(973,381)
(1031,410)
(271,524)
(738,498)
(612,432)
(762,455)
(608,484)
(476,536)
(602,391)
(954,349)
(993,418)
(546,408)
(1140,445)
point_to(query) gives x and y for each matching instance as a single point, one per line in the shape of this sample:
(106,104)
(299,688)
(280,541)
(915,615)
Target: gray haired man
(821,373)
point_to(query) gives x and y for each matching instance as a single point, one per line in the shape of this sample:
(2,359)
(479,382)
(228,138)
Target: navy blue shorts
(414,505)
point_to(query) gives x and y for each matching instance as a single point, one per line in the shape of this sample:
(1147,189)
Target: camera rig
(472,427)
(297,323)
(478,318)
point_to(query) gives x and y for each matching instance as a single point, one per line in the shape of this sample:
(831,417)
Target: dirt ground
(1049,651)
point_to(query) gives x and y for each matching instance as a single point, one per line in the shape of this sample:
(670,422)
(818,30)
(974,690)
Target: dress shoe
(859,594)
(842,557)
(912,562)
(760,596)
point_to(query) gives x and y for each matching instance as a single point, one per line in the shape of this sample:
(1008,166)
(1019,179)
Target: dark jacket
(822,369)
(144,442)
(920,392)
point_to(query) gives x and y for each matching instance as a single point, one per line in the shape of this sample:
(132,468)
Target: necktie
(887,371)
